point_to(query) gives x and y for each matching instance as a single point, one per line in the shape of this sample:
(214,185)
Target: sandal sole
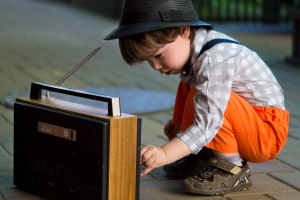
(241,187)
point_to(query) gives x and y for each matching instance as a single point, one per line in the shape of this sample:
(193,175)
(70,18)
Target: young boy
(229,107)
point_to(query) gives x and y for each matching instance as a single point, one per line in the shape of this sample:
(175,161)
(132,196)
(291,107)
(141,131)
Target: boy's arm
(153,157)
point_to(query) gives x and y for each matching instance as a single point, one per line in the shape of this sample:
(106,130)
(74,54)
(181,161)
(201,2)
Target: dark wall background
(109,8)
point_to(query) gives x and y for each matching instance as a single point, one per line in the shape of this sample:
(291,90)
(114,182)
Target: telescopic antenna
(75,68)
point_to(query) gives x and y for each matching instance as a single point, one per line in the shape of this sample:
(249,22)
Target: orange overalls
(257,133)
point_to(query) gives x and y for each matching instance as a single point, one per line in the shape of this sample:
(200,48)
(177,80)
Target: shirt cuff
(192,139)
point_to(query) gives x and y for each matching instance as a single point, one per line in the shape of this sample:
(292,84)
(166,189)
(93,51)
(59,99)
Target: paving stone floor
(42,40)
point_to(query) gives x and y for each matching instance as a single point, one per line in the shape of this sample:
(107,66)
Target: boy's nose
(156,66)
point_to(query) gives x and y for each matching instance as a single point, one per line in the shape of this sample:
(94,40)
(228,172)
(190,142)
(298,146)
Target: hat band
(166,16)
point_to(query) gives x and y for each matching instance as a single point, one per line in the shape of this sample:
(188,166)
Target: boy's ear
(185,31)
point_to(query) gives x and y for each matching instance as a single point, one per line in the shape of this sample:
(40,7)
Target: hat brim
(132,29)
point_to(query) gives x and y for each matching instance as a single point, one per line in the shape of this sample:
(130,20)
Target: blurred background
(41,40)
(274,15)
(247,11)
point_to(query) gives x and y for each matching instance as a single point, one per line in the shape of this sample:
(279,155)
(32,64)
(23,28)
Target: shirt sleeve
(213,81)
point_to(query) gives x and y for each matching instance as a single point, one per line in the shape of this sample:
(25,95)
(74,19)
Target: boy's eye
(158,55)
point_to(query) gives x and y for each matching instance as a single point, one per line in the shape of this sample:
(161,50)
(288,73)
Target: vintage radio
(64,150)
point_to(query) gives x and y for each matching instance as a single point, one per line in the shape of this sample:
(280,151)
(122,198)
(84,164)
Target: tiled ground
(42,40)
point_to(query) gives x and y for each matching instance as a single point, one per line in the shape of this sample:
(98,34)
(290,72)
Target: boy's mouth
(169,72)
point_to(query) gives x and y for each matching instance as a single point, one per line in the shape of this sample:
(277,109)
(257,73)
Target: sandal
(220,178)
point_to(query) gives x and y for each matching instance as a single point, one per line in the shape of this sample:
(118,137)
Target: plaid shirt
(224,68)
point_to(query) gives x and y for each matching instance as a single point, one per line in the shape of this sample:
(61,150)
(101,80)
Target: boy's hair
(135,48)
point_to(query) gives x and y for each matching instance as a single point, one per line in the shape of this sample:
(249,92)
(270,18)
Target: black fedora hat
(140,16)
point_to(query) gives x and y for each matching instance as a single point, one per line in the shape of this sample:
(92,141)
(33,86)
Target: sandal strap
(224,165)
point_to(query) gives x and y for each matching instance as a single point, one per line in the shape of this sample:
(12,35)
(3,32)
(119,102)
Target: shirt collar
(197,44)
(196,47)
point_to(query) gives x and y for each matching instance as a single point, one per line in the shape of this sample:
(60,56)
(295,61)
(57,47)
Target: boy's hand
(172,130)
(152,157)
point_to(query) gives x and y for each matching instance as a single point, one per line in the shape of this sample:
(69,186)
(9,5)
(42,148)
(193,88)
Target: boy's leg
(246,129)
(184,115)
(183,91)
(237,137)
(257,133)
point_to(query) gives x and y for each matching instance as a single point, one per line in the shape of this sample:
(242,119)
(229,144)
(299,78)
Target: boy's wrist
(165,156)
(174,150)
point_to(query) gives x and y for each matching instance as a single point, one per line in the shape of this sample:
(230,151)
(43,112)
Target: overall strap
(213,42)
(209,45)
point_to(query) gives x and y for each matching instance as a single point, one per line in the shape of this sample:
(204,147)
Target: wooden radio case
(69,151)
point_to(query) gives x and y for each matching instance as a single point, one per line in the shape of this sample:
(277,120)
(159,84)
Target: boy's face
(171,58)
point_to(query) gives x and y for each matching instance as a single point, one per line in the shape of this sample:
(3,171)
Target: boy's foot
(222,177)
(190,165)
